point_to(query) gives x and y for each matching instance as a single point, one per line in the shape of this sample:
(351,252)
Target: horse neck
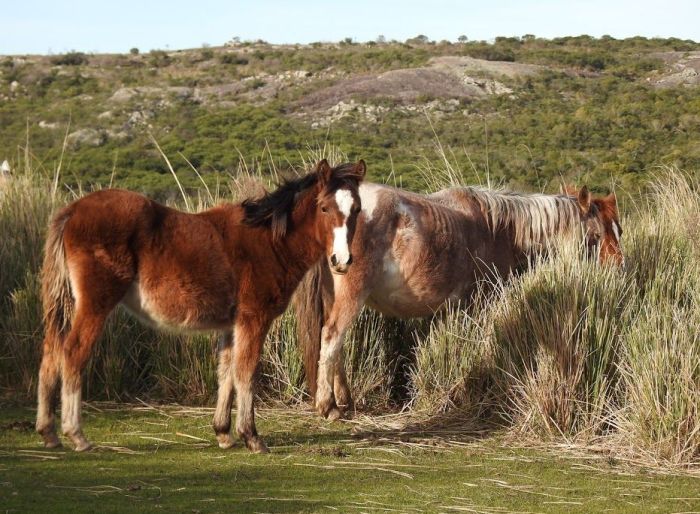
(532,222)
(300,247)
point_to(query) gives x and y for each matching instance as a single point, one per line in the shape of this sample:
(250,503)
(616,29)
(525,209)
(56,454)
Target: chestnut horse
(414,252)
(230,269)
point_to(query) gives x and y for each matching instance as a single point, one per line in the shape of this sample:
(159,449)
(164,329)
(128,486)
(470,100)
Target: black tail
(311,303)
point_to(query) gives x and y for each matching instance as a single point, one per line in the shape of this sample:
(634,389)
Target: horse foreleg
(331,346)
(345,310)
(222,415)
(249,336)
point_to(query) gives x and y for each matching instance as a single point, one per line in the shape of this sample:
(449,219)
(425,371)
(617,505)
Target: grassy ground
(163,458)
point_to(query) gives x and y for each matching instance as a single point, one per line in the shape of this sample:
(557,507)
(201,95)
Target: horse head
(338,204)
(601,224)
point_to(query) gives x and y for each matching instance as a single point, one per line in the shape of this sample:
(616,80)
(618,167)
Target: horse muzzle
(337,267)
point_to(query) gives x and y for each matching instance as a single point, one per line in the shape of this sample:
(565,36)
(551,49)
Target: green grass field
(155,458)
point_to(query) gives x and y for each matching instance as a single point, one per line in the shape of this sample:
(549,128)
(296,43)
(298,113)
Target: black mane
(274,209)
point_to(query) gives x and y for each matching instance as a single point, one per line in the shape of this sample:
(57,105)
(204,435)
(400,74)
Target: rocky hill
(523,110)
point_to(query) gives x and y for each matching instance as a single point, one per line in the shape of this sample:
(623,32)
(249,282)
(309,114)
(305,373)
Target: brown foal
(231,269)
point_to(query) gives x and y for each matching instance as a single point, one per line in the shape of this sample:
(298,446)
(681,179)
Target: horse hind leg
(49,376)
(341,389)
(97,290)
(85,331)
(222,415)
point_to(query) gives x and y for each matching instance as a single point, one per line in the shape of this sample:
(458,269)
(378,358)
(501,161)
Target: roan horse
(414,252)
(231,269)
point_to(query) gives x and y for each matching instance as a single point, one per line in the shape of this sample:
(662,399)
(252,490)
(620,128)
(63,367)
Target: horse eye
(324,209)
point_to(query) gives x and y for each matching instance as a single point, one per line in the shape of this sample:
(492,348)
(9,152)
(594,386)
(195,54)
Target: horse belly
(166,309)
(394,294)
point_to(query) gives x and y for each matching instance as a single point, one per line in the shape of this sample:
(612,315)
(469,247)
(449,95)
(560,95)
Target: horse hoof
(51,441)
(225,441)
(334,414)
(346,412)
(325,408)
(257,446)
(83,446)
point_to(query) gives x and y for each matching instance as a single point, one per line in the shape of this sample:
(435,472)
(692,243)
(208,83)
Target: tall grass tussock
(569,349)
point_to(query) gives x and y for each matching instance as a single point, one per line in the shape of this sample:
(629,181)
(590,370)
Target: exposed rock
(105,115)
(5,168)
(85,137)
(445,78)
(139,118)
(684,69)
(49,126)
(406,86)
(125,94)
(490,87)
(118,135)
(464,64)
(14,86)
(373,113)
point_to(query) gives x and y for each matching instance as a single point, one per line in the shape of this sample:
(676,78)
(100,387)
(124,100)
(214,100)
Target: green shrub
(233,58)
(70,59)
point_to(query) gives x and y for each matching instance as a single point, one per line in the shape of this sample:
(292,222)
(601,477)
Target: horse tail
(311,303)
(56,294)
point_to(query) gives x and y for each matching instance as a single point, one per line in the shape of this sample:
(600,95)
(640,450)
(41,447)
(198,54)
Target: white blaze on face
(343,198)
(616,231)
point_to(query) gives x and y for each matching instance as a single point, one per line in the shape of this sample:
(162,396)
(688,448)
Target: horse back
(172,265)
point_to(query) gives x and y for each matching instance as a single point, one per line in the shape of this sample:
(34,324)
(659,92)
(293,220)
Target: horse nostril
(334,260)
(349,260)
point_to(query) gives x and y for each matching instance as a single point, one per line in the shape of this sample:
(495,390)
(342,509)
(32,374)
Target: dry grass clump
(659,413)
(453,359)
(556,333)
(579,351)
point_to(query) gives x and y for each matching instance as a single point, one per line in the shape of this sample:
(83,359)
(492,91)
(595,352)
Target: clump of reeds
(659,410)
(578,350)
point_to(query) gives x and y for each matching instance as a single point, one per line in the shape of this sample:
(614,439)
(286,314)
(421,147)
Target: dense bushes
(593,117)
(70,59)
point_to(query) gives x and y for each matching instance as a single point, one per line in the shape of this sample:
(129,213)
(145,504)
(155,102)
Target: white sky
(42,26)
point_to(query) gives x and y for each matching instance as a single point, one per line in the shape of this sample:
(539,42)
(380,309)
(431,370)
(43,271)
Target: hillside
(526,110)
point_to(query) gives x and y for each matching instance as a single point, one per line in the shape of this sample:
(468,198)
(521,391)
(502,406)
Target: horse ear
(360,169)
(584,200)
(324,171)
(611,199)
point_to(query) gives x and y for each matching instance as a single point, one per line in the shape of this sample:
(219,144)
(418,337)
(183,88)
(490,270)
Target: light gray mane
(534,218)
